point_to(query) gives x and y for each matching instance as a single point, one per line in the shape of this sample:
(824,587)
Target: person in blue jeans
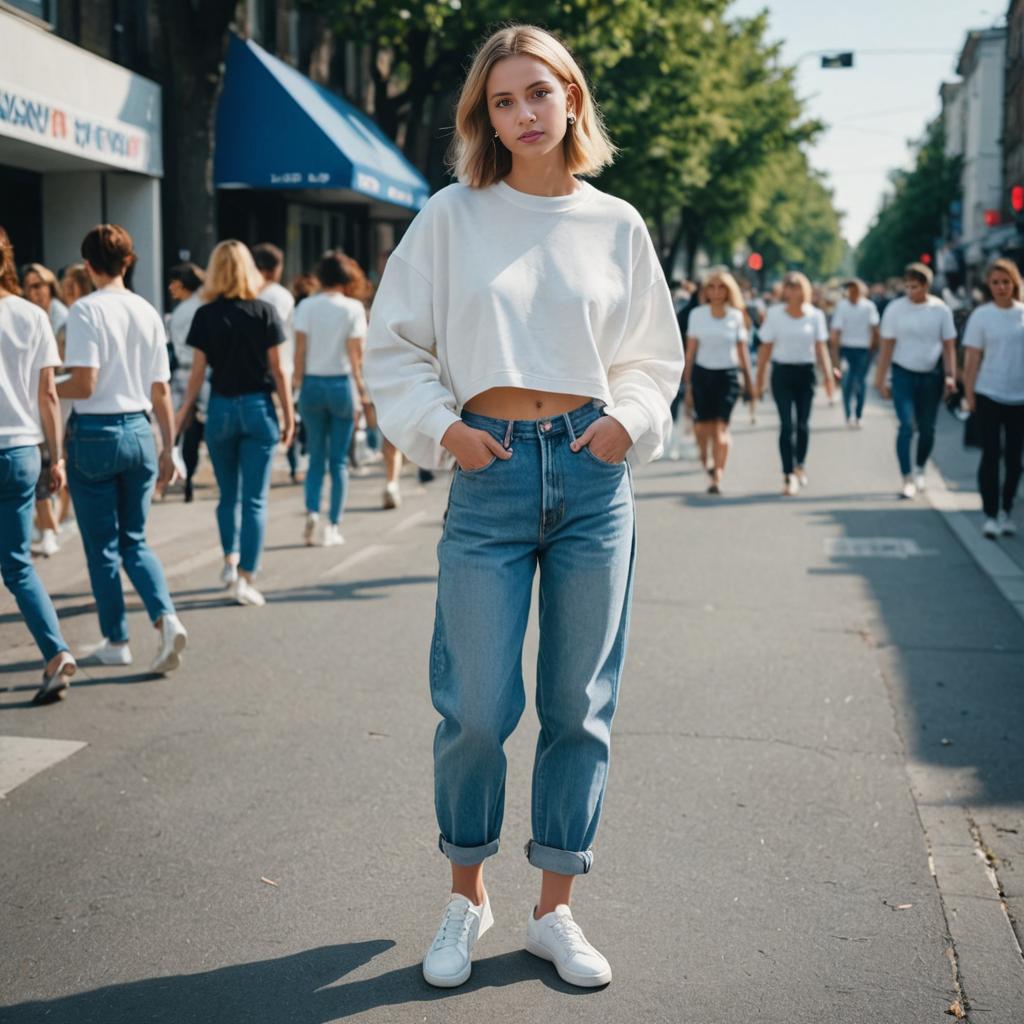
(330,330)
(29,415)
(116,352)
(239,337)
(854,336)
(918,340)
(524,333)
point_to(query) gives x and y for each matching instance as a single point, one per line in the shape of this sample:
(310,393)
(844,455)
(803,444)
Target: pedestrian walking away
(794,337)
(185,281)
(330,331)
(716,351)
(524,330)
(116,355)
(994,386)
(854,335)
(918,340)
(269,260)
(29,416)
(239,337)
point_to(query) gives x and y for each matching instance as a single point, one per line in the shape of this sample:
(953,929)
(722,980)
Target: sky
(886,99)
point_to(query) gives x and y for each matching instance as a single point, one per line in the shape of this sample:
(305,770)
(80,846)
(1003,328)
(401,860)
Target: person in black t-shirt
(238,337)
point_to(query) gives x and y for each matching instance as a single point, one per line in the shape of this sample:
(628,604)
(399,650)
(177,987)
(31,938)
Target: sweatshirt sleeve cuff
(435,425)
(632,417)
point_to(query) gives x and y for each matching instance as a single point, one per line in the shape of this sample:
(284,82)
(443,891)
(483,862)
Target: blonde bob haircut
(721,275)
(1009,268)
(231,273)
(795,277)
(476,157)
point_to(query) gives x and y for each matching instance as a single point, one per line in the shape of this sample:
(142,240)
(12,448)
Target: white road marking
(21,757)
(873,547)
(368,552)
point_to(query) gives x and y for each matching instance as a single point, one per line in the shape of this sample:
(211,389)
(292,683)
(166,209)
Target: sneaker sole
(579,980)
(172,659)
(453,982)
(57,688)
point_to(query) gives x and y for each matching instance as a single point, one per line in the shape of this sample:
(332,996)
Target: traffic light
(837,60)
(1017,199)
(926,259)
(755,261)
(992,218)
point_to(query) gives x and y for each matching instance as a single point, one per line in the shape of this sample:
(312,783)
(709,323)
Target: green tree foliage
(913,214)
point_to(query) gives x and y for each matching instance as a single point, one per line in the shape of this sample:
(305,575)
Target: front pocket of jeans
(482,469)
(94,457)
(607,465)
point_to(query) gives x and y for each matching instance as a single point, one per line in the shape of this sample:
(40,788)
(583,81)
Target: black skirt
(714,393)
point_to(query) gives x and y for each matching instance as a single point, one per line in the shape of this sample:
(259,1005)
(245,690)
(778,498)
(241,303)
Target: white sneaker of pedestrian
(449,960)
(55,686)
(851,422)
(106,653)
(332,536)
(1007,527)
(243,592)
(309,533)
(392,494)
(229,574)
(990,529)
(858,423)
(909,490)
(558,938)
(790,485)
(48,544)
(801,476)
(919,481)
(173,639)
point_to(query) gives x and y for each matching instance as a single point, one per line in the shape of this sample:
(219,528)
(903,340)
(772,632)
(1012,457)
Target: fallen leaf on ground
(269,882)
(956,1010)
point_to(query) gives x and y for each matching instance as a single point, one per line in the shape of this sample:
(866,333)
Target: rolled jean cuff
(561,862)
(466,856)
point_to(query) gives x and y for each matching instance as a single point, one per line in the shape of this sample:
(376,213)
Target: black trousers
(1001,429)
(192,435)
(793,391)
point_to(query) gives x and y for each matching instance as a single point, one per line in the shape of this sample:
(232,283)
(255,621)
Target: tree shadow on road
(299,989)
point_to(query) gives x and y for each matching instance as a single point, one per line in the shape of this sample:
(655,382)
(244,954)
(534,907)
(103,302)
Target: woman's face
(528,106)
(1000,284)
(37,290)
(69,290)
(853,294)
(716,292)
(792,293)
(917,291)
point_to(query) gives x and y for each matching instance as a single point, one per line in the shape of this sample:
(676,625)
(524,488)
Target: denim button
(545,426)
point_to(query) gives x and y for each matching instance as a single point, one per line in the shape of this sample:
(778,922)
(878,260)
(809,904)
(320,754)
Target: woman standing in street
(330,329)
(854,332)
(524,329)
(239,338)
(794,337)
(716,350)
(183,284)
(29,415)
(994,384)
(918,339)
(40,286)
(116,353)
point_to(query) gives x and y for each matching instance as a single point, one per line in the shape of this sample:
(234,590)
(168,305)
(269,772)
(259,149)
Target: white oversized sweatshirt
(492,287)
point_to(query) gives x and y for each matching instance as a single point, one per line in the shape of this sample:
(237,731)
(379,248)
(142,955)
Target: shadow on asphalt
(305,988)
(356,590)
(958,643)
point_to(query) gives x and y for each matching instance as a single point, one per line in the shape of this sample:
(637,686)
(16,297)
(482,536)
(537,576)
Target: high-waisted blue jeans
(112,471)
(915,397)
(855,388)
(241,435)
(328,412)
(571,516)
(19,471)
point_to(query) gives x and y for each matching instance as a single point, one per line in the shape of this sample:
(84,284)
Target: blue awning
(278,129)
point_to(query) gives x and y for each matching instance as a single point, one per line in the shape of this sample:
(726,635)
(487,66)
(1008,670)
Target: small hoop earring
(571,119)
(495,134)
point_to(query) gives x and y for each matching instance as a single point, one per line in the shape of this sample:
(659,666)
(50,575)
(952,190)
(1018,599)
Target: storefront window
(44,10)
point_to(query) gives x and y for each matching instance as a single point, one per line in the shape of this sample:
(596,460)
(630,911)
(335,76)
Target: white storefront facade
(80,144)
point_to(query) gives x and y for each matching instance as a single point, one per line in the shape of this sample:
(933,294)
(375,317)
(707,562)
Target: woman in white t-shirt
(523,329)
(330,329)
(29,415)
(918,339)
(794,337)
(994,385)
(116,352)
(716,351)
(854,331)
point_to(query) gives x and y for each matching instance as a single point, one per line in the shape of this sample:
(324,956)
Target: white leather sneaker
(558,938)
(228,574)
(309,531)
(55,687)
(790,485)
(909,489)
(1007,527)
(332,536)
(990,529)
(243,592)
(392,494)
(449,961)
(106,653)
(801,476)
(919,481)
(173,639)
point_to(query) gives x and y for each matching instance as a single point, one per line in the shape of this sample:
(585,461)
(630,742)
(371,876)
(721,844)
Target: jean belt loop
(508,434)
(568,423)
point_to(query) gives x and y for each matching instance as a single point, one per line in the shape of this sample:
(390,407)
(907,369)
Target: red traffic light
(926,258)
(755,261)
(1017,198)
(991,218)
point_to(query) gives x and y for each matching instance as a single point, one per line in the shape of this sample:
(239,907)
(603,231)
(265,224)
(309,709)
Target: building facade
(1013,130)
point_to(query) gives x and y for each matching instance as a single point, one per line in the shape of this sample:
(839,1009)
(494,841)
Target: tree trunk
(194,40)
